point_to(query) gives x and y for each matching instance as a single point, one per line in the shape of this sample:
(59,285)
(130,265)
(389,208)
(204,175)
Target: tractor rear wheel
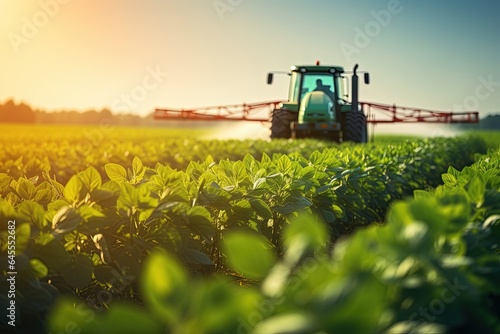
(355,128)
(280,123)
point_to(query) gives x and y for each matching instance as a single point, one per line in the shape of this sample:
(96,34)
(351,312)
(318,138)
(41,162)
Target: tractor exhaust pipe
(355,90)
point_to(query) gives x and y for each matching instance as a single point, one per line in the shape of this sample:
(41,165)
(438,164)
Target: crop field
(114,230)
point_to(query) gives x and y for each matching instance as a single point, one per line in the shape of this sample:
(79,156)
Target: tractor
(317,105)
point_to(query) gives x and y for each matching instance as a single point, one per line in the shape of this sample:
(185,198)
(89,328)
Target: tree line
(490,122)
(10,112)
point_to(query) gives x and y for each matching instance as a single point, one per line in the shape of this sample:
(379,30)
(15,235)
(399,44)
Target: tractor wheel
(280,123)
(355,128)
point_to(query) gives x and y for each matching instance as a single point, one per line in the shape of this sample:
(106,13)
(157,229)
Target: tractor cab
(316,104)
(306,79)
(309,78)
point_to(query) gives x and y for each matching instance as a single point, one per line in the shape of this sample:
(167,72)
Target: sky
(135,55)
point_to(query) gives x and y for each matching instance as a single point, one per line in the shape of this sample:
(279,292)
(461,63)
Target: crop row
(63,152)
(433,267)
(91,236)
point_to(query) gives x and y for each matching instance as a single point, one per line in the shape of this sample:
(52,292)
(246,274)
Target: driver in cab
(322,88)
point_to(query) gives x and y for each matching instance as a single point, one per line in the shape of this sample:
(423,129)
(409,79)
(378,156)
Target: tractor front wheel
(280,123)
(355,128)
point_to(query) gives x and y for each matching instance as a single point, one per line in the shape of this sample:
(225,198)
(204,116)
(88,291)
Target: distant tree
(16,113)
(23,113)
(490,122)
(105,114)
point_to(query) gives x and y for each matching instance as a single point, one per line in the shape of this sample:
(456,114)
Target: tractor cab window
(294,87)
(343,89)
(319,82)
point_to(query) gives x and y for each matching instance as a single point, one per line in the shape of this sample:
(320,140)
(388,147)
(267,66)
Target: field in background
(227,130)
(65,150)
(94,205)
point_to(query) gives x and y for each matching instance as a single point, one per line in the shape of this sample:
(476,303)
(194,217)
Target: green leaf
(26,189)
(293,204)
(220,306)
(43,195)
(138,169)
(65,309)
(129,196)
(66,220)
(90,178)
(476,189)
(79,273)
(33,212)
(101,195)
(261,208)
(416,235)
(88,212)
(293,323)
(456,208)
(308,229)
(73,189)
(241,212)
(101,244)
(137,166)
(259,183)
(239,171)
(57,205)
(316,158)
(284,165)
(165,286)
(424,210)
(452,171)
(249,254)
(108,275)
(200,221)
(56,186)
(421,194)
(124,319)
(7,212)
(116,172)
(449,180)
(350,307)
(39,269)
(51,252)
(4,180)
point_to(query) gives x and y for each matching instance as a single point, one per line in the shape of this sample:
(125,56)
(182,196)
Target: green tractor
(317,105)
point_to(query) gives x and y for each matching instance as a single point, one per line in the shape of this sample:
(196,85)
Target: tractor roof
(317,68)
